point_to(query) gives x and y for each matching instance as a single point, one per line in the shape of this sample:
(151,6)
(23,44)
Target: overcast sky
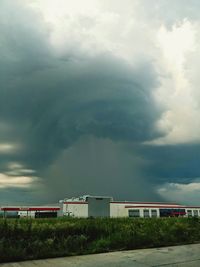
(99,97)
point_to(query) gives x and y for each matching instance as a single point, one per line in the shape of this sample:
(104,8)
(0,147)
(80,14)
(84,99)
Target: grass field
(23,239)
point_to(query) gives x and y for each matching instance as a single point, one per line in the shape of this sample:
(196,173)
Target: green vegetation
(24,239)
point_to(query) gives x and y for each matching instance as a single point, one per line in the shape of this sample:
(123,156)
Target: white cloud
(135,31)
(7,181)
(89,28)
(177,94)
(8,148)
(15,165)
(17,169)
(183,193)
(128,31)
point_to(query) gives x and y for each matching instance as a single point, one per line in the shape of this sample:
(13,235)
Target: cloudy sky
(99,97)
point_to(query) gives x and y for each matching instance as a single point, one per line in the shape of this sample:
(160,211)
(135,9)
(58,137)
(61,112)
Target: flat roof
(29,208)
(139,202)
(162,206)
(75,202)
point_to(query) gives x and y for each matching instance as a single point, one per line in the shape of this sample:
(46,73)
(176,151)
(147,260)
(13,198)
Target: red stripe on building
(133,202)
(178,213)
(75,202)
(10,209)
(174,207)
(30,209)
(43,209)
(188,207)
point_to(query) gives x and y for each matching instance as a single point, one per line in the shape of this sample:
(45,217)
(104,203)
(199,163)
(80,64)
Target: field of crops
(22,239)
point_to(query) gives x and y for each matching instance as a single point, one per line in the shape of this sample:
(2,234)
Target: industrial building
(29,211)
(101,206)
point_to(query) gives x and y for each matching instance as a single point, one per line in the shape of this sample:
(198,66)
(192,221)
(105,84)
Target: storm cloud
(84,104)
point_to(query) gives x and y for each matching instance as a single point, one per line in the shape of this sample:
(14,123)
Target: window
(165,212)
(178,212)
(189,213)
(153,213)
(195,212)
(134,213)
(146,213)
(171,212)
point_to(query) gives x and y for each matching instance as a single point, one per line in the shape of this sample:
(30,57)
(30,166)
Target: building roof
(162,206)
(139,202)
(29,208)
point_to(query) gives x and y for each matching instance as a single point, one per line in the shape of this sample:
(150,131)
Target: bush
(25,239)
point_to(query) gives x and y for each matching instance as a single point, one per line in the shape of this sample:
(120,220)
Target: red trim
(75,202)
(192,207)
(135,202)
(10,209)
(174,207)
(178,213)
(43,209)
(30,208)
(166,206)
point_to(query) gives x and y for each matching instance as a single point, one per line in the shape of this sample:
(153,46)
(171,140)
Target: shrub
(33,239)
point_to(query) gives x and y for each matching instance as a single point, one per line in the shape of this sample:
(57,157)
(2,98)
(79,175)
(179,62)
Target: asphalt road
(187,255)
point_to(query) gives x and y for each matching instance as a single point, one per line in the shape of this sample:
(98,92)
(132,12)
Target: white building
(86,206)
(101,206)
(30,211)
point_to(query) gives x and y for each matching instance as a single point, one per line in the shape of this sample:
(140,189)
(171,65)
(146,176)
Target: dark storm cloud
(79,122)
(49,110)
(23,41)
(50,102)
(99,166)
(17,196)
(179,163)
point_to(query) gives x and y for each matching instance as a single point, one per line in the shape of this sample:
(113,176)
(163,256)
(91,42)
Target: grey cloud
(168,12)
(49,103)
(51,107)
(23,33)
(100,167)
(178,163)
(18,196)
(48,117)
(80,122)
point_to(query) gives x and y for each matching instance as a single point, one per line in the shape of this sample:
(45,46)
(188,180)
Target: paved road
(181,256)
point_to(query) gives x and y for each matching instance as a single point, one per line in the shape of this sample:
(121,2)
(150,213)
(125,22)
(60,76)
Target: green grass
(24,239)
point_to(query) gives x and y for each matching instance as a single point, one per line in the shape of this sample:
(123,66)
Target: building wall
(29,211)
(75,209)
(193,212)
(80,207)
(24,214)
(33,214)
(150,211)
(118,210)
(98,207)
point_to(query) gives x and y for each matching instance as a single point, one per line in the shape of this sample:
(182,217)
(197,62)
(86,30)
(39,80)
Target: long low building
(30,211)
(101,206)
